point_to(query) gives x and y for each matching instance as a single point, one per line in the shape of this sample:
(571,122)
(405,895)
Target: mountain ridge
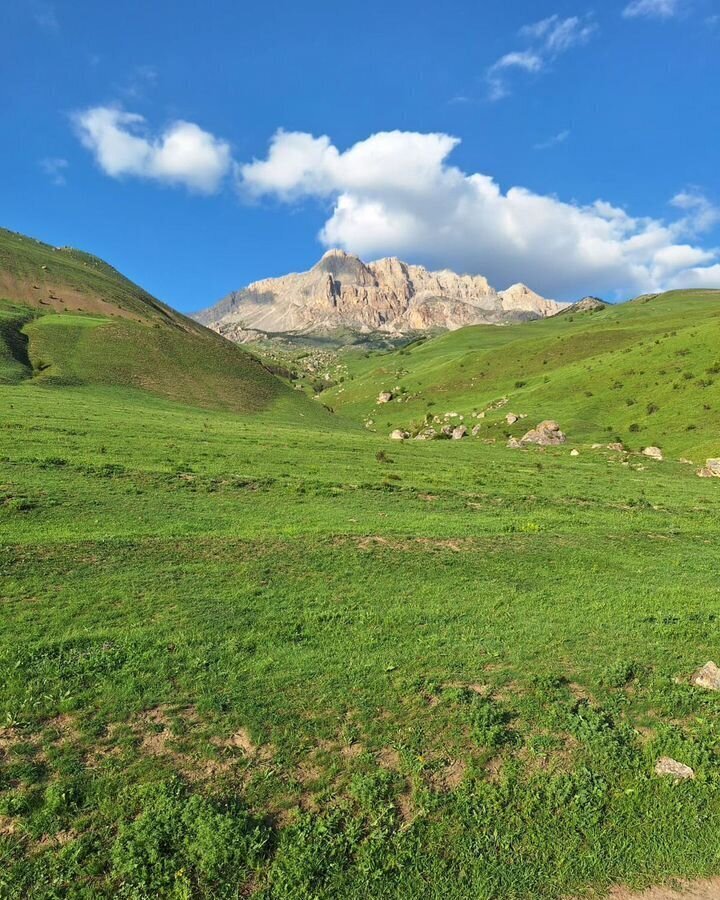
(386,295)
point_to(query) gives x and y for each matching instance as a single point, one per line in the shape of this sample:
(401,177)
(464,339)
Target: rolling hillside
(646,372)
(68,318)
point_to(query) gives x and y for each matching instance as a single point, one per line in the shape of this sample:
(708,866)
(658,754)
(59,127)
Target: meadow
(250,646)
(264,656)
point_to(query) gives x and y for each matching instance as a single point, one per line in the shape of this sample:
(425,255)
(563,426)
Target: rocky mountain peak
(341,292)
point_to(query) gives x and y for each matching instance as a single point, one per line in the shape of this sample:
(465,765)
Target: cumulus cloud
(548,39)
(652,9)
(182,154)
(395,193)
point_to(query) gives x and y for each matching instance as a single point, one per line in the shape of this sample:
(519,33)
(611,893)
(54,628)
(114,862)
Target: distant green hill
(645,372)
(68,318)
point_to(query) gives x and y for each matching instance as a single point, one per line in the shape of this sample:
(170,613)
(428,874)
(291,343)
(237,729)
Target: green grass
(190,366)
(646,373)
(449,667)
(249,648)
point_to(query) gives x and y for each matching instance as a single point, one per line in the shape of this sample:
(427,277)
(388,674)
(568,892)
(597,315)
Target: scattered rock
(707,677)
(384,397)
(653,453)
(476,430)
(677,770)
(711,470)
(399,435)
(459,433)
(511,418)
(547,434)
(514,444)
(617,447)
(427,434)
(574,453)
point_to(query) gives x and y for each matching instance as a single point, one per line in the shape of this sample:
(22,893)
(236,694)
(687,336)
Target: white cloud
(395,193)
(549,38)
(183,154)
(54,168)
(652,9)
(553,141)
(700,213)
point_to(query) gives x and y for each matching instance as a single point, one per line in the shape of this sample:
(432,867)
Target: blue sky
(199,147)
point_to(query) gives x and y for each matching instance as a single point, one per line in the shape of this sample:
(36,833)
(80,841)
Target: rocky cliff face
(388,296)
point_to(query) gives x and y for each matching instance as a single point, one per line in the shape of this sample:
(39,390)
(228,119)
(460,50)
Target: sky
(200,147)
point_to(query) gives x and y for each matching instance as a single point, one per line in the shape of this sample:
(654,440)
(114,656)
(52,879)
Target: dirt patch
(55,841)
(389,758)
(241,740)
(580,692)
(681,890)
(450,777)
(351,751)
(405,809)
(8,826)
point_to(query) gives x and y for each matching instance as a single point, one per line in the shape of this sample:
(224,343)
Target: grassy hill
(69,318)
(646,372)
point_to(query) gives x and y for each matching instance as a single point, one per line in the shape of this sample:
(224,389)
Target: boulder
(384,397)
(514,444)
(459,433)
(574,453)
(547,434)
(399,435)
(653,453)
(427,434)
(707,677)
(677,770)
(511,418)
(617,447)
(476,430)
(711,470)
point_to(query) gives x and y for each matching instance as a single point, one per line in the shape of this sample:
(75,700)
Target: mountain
(68,318)
(386,296)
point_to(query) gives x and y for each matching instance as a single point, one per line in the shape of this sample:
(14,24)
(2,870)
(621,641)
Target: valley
(250,646)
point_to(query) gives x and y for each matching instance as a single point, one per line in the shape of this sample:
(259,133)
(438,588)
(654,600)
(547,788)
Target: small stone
(459,433)
(574,453)
(677,770)
(384,397)
(399,435)
(514,444)
(711,470)
(476,430)
(653,453)
(707,677)
(617,447)
(511,418)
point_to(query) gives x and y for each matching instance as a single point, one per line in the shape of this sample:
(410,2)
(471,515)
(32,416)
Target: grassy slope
(93,326)
(645,373)
(244,654)
(30,271)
